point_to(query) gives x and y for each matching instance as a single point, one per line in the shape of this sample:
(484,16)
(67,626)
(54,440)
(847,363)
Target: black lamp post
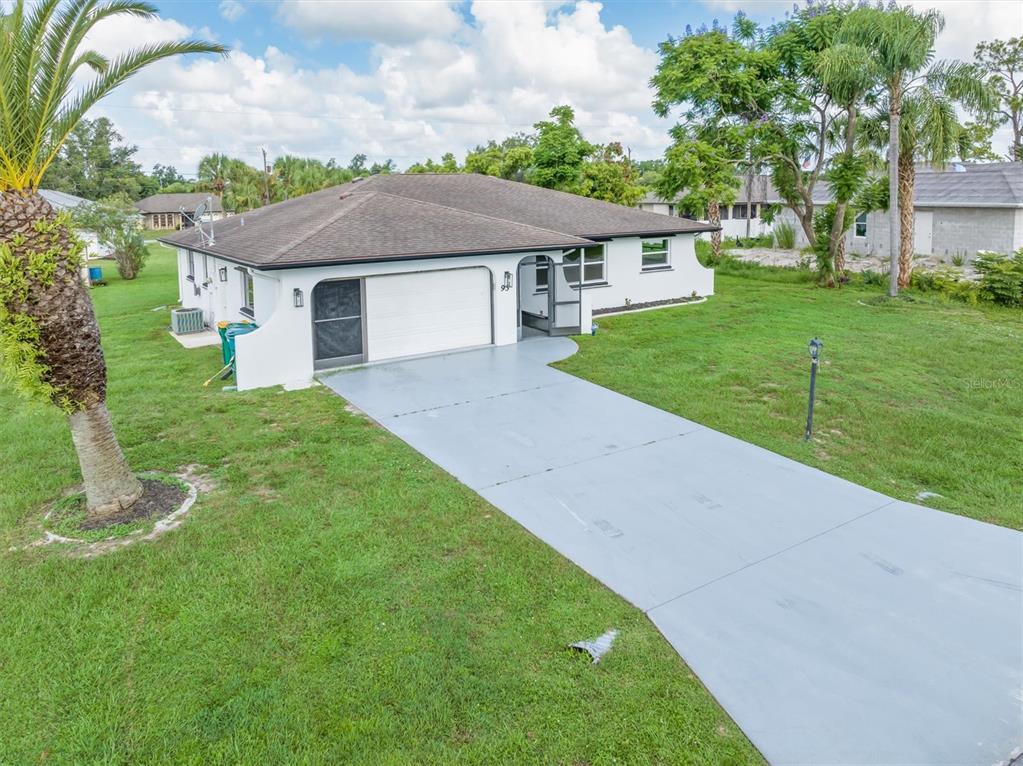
(815,347)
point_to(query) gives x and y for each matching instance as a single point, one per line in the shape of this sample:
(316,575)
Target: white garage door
(408,314)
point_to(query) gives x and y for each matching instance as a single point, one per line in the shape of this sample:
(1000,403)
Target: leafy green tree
(447,164)
(511,159)
(1002,61)
(798,129)
(378,168)
(49,339)
(610,176)
(178,187)
(115,222)
(358,165)
(165,175)
(94,163)
(723,88)
(560,151)
(975,141)
(699,174)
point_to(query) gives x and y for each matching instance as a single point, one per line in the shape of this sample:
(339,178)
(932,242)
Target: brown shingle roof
(172,203)
(406,216)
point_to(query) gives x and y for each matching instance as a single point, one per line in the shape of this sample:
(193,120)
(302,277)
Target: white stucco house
(395,266)
(62,201)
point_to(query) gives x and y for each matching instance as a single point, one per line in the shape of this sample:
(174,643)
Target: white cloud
(419,99)
(231,10)
(449,85)
(396,21)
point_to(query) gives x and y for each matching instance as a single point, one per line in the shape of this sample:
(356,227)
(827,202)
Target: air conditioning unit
(184,321)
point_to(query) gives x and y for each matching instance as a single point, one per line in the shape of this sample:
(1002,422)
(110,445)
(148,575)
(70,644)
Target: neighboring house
(163,211)
(733,217)
(959,210)
(63,201)
(401,265)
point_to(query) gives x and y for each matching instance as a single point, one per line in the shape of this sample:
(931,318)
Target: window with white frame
(205,271)
(588,261)
(655,254)
(542,273)
(753,210)
(248,294)
(739,211)
(860,229)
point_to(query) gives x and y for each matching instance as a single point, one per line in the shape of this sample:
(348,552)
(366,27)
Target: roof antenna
(196,219)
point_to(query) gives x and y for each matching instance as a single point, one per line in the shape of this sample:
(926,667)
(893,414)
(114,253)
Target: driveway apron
(834,624)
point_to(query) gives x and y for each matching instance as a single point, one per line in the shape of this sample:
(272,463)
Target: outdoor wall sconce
(298,297)
(222,271)
(507,281)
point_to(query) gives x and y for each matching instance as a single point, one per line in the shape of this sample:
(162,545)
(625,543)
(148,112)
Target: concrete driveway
(834,624)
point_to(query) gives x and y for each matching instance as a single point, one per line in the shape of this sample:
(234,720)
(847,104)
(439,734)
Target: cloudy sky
(410,79)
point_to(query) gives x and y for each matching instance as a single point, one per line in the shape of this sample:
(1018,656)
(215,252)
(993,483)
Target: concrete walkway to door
(834,624)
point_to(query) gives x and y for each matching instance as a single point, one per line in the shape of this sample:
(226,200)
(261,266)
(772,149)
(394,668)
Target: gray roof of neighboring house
(996,184)
(62,200)
(172,203)
(991,184)
(422,215)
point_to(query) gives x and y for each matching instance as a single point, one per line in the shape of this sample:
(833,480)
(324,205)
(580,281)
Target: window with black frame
(655,254)
(591,262)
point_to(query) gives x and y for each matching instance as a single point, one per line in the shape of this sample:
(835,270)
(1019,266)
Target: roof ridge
(358,202)
(481,215)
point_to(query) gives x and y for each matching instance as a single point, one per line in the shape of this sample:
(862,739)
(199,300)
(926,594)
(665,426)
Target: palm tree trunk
(73,371)
(894,237)
(836,242)
(749,193)
(110,486)
(714,216)
(806,221)
(907,178)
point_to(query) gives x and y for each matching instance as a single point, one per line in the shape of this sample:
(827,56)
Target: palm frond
(41,51)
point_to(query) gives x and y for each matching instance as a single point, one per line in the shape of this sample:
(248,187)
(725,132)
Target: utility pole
(266,180)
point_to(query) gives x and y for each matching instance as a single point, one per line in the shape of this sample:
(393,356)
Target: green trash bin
(228,332)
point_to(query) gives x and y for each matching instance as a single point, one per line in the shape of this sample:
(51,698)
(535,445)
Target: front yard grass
(336,599)
(912,396)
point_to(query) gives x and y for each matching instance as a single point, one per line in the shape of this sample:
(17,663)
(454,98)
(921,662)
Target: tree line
(839,94)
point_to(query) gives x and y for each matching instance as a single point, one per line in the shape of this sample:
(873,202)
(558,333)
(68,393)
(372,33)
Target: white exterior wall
(627,280)
(281,350)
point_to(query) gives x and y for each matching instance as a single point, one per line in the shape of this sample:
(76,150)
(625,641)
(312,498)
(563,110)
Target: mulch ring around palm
(159,498)
(164,502)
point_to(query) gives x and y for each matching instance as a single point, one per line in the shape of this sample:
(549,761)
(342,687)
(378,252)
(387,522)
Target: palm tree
(49,340)
(929,132)
(902,42)
(849,74)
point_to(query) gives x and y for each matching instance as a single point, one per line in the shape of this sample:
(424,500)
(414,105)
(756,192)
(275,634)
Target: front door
(338,325)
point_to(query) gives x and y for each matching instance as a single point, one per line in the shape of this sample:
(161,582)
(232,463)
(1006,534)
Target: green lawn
(338,599)
(922,396)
